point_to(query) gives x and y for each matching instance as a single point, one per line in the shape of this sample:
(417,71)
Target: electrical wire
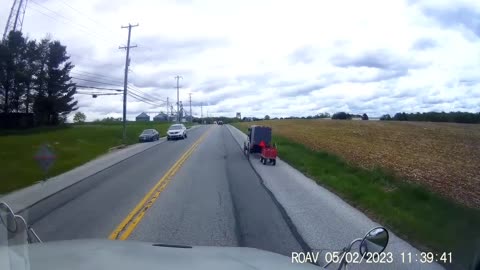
(94,81)
(139,99)
(88,32)
(145,94)
(97,94)
(84,15)
(92,74)
(84,76)
(143,98)
(99,88)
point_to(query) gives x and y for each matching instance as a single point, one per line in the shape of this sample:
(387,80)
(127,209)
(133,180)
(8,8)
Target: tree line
(34,79)
(454,117)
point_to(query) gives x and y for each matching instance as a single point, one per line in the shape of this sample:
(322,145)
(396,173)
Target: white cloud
(275,57)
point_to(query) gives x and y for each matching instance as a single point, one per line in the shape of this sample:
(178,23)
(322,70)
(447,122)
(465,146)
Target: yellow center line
(126,227)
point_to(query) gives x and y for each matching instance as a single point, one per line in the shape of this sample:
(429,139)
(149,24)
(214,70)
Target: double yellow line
(126,227)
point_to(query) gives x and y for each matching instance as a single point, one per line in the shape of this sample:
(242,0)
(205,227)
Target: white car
(177,131)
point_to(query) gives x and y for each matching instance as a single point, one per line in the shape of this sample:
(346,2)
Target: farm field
(444,157)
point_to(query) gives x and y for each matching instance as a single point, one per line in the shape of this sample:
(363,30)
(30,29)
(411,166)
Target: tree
(400,117)
(11,70)
(34,76)
(341,116)
(267,117)
(323,115)
(54,100)
(32,65)
(364,116)
(79,117)
(386,117)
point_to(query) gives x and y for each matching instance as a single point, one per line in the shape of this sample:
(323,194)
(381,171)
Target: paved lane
(217,199)
(95,206)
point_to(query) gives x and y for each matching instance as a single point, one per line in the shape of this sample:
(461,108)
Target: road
(213,197)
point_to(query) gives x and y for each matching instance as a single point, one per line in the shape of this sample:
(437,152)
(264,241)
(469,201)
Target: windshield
(148,131)
(176,127)
(284,126)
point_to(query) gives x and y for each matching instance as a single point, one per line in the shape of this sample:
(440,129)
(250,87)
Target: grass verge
(74,145)
(423,218)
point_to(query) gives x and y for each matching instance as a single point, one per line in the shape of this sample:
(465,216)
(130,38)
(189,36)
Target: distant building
(161,117)
(239,115)
(142,117)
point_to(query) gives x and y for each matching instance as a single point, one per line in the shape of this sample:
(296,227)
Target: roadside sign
(45,157)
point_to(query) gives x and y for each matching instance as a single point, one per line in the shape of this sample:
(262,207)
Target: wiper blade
(172,246)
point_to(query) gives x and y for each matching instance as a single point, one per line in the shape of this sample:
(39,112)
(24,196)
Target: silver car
(177,131)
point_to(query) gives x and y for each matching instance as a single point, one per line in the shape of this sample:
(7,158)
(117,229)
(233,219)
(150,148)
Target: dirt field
(444,157)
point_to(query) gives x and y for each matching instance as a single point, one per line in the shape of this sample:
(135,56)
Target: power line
(82,76)
(84,15)
(142,100)
(94,81)
(145,94)
(99,88)
(143,97)
(61,15)
(97,94)
(88,32)
(92,74)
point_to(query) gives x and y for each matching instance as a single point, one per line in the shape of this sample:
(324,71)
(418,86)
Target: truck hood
(128,255)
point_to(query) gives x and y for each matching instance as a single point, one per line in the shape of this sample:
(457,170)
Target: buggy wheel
(274,161)
(264,161)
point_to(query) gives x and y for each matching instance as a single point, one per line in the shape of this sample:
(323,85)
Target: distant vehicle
(177,131)
(215,122)
(220,122)
(149,135)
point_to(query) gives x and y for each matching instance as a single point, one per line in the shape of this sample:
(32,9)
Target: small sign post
(45,158)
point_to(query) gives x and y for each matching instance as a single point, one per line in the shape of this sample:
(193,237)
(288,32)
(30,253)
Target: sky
(281,58)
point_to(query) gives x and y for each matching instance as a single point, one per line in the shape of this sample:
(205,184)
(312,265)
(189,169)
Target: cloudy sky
(280,58)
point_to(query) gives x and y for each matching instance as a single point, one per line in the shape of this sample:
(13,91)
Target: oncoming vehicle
(220,122)
(177,131)
(123,255)
(149,135)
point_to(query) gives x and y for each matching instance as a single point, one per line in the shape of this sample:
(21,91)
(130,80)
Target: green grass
(73,144)
(425,219)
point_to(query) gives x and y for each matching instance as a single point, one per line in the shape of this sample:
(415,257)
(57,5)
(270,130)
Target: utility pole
(178,97)
(125,80)
(201,110)
(191,117)
(168,115)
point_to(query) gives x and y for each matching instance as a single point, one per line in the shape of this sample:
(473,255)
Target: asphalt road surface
(214,199)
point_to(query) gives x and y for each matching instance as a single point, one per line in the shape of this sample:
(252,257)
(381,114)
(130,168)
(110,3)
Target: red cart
(269,153)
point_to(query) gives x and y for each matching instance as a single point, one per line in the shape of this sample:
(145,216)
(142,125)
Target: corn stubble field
(443,157)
